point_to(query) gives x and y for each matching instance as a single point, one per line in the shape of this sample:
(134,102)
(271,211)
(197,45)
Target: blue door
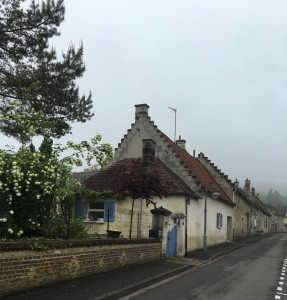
(171,242)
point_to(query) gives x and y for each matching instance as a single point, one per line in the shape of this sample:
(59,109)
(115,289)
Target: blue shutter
(109,211)
(221,217)
(79,209)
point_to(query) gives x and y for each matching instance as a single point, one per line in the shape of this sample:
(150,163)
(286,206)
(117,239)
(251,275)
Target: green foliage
(29,184)
(57,228)
(34,184)
(38,246)
(94,195)
(31,73)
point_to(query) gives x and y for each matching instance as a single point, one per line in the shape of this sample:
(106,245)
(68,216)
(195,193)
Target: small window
(103,211)
(219,218)
(96,211)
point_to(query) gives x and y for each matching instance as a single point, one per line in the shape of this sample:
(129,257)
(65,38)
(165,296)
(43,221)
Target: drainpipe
(187,201)
(236,186)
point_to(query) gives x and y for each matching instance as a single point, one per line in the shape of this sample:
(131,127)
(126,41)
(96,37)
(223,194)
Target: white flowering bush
(34,182)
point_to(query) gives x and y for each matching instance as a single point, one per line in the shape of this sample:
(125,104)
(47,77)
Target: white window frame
(100,210)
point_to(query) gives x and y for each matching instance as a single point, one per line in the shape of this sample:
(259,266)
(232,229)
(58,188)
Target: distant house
(190,212)
(279,217)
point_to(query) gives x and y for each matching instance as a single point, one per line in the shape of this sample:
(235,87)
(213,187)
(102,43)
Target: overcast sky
(222,64)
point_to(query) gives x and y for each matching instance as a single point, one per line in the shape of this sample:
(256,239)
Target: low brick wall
(24,269)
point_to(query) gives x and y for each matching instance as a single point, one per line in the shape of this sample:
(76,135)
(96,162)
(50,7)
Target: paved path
(252,273)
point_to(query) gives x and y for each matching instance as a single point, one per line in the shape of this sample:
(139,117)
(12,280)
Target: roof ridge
(178,177)
(216,169)
(200,179)
(174,147)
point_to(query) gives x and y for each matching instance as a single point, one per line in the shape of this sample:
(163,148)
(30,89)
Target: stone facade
(250,215)
(144,140)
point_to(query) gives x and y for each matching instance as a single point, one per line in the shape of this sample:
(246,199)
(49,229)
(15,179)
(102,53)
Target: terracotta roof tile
(197,169)
(103,180)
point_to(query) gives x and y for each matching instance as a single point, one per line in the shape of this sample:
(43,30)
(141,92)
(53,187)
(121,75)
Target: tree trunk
(131,223)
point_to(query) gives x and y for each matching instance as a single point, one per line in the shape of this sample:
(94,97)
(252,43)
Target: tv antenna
(174,109)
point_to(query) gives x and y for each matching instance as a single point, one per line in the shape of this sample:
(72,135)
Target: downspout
(187,201)
(233,216)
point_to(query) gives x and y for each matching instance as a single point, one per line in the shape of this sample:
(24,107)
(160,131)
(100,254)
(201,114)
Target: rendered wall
(195,219)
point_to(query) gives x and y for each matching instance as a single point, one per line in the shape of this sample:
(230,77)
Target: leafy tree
(31,73)
(34,183)
(140,182)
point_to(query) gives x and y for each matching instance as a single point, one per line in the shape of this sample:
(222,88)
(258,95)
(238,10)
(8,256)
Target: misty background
(221,64)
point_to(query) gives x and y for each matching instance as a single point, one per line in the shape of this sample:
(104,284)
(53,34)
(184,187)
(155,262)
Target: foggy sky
(222,64)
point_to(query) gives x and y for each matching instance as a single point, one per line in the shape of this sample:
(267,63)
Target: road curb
(150,281)
(142,284)
(234,249)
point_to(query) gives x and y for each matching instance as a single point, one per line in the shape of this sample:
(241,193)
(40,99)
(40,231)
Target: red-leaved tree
(140,182)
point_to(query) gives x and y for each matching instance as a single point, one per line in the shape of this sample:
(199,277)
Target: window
(219,218)
(101,211)
(96,211)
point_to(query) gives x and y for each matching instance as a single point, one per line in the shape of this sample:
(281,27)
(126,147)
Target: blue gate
(171,242)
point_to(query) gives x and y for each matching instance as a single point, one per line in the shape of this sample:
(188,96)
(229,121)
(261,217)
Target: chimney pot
(141,109)
(236,183)
(180,142)
(247,186)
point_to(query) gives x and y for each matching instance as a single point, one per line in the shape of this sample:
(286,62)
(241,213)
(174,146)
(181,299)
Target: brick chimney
(180,142)
(141,109)
(247,186)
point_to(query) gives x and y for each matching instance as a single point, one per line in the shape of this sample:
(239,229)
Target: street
(254,272)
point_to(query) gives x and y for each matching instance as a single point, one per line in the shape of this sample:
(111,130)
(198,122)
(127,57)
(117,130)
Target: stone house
(279,217)
(191,208)
(250,214)
(241,212)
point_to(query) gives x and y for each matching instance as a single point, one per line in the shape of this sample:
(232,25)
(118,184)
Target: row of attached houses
(203,207)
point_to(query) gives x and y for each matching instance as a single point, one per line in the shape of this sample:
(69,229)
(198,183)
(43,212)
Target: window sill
(91,221)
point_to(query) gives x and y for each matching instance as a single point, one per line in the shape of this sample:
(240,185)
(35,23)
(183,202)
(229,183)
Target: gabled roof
(197,176)
(279,210)
(262,206)
(79,176)
(199,172)
(254,201)
(103,180)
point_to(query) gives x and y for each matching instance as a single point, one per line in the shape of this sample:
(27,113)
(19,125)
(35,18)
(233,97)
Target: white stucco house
(197,212)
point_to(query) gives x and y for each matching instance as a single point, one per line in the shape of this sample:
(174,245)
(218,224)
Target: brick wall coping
(59,244)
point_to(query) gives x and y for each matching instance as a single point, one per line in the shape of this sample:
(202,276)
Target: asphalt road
(251,273)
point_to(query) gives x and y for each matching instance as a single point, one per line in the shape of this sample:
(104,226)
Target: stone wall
(20,270)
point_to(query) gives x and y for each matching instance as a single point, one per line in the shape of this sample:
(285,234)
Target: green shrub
(58,228)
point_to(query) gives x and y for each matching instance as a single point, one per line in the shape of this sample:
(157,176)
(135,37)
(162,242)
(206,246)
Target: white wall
(195,219)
